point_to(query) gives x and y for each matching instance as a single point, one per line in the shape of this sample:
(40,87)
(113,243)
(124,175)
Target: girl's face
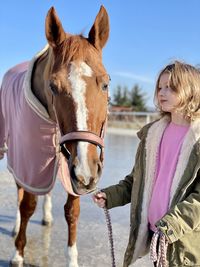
(167,98)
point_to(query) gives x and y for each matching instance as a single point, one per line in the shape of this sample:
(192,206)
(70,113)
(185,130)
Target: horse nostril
(72,172)
(91,180)
(99,169)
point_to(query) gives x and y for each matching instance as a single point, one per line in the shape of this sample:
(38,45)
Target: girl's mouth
(163,101)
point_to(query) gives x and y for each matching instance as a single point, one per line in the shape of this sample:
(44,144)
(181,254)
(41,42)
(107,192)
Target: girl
(164,185)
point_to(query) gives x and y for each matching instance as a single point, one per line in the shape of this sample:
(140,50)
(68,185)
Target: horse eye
(53,88)
(105,86)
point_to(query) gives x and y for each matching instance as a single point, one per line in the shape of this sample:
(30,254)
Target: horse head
(78,84)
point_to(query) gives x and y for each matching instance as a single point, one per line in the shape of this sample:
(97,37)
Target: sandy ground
(47,246)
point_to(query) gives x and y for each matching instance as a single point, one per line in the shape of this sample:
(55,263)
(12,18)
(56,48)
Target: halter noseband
(85,136)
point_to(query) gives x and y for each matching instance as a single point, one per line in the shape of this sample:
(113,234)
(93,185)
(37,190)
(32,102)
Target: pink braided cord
(158,249)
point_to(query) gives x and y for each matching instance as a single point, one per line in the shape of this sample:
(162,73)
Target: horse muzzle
(83,179)
(80,188)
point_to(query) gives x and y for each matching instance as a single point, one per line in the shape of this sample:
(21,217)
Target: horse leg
(27,208)
(72,211)
(20,193)
(47,210)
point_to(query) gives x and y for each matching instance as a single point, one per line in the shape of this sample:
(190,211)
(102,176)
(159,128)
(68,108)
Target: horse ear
(99,32)
(55,33)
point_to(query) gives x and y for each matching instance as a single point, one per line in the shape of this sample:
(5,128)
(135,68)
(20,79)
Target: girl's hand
(100,199)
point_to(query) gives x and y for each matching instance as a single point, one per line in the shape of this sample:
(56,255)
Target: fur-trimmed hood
(152,134)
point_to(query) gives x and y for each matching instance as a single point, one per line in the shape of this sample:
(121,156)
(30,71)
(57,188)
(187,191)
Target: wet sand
(47,246)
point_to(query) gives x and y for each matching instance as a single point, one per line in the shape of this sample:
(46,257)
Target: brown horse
(71,84)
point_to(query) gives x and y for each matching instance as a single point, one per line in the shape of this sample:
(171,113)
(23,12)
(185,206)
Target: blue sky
(144,35)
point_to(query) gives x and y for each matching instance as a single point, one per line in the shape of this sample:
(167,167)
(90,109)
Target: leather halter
(85,136)
(82,135)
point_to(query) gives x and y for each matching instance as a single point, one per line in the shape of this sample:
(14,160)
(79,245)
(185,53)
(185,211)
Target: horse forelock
(74,46)
(64,53)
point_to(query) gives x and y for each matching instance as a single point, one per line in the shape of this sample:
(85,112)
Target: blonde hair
(184,80)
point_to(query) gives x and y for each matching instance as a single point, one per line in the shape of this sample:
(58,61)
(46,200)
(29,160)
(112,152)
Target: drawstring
(158,249)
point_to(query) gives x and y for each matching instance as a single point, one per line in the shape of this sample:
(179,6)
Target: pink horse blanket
(31,137)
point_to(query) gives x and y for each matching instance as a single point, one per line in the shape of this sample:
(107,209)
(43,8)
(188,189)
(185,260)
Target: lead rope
(110,235)
(158,249)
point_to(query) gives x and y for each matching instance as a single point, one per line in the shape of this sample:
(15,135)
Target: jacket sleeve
(183,217)
(120,194)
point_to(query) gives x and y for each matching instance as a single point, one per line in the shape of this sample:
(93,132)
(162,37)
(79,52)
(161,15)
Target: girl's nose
(162,92)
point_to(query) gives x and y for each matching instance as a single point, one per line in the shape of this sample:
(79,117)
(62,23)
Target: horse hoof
(73,264)
(12,264)
(17,260)
(47,223)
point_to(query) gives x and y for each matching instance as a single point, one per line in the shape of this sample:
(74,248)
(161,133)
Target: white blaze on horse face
(78,92)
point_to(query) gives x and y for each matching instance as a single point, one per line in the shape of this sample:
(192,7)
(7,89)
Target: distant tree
(137,98)
(121,96)
(125,98)
(117,95)
(134,98)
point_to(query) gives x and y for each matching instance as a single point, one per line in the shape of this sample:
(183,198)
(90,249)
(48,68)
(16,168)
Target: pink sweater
(166,165)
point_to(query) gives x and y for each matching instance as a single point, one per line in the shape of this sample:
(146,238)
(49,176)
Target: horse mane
(48,67)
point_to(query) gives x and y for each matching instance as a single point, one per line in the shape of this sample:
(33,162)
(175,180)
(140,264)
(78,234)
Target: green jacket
(181,224)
